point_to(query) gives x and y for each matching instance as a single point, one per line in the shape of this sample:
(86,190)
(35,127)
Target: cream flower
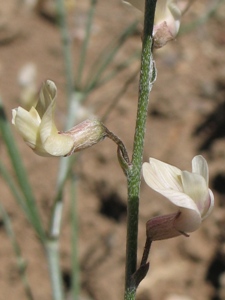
(38,129)
(187,190)
(167,18)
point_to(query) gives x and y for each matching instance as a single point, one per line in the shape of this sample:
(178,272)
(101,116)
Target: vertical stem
(147,77)
(66,44)
(52,244)
(74,227)
(52,251)
(86,42)
(52,248)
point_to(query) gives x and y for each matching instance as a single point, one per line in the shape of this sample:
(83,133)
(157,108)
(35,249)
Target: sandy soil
(186,117)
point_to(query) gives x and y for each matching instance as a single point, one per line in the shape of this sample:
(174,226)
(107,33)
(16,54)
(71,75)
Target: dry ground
(186,117)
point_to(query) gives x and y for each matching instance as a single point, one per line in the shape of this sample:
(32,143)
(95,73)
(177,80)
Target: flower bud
(167,19)
(162,35)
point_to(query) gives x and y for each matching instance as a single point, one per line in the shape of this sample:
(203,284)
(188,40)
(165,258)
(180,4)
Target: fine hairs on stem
(147,78)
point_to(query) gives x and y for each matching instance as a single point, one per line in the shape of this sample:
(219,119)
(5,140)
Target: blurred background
(186,117)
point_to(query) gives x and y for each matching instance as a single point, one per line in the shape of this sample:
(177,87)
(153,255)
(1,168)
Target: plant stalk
(74,239)
(66,45)
(147,77)
(85,44)
(52,253)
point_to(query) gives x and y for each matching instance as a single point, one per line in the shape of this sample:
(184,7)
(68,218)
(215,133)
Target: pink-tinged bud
(162,227)
(85,134)
(167,20)
(162,35)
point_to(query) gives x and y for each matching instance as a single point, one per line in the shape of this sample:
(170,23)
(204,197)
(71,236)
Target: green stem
(74,223)
(66,43)
(52,252)
(52,245)
(84,47)
(147,77)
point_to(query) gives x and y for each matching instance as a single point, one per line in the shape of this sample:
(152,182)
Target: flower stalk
(147,77)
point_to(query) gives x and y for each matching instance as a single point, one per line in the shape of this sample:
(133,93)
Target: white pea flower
(167,18)
(187,190)
(38,129)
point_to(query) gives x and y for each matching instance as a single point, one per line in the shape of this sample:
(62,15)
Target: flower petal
(208,205)
(26,124)
(47,126)
(168,11)
(47,95)
(35,115)
(188,220)
(166,180)
(200,166)
(54,143)
(196,188)
(159,175)
(58,145)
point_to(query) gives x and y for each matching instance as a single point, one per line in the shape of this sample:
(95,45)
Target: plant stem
(147,77)
(83,52)
(52,244)
(74,239)
(52,252)
(52,248)
(66,44)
